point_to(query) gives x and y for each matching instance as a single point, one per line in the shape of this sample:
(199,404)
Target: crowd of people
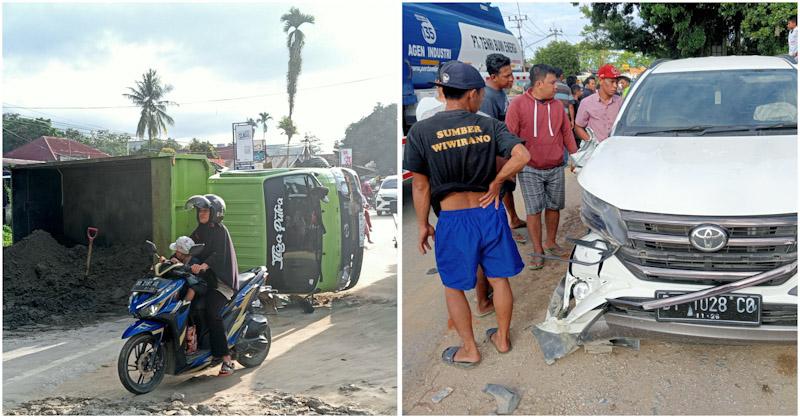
(469,150)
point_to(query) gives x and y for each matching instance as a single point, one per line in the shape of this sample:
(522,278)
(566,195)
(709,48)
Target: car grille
(771,313)
(658,248)
(388,198)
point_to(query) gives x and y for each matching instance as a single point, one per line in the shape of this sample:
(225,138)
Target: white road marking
(24,351)
(60,361)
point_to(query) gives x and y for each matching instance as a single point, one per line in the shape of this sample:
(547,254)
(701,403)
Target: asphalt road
(660,378)
(349,342)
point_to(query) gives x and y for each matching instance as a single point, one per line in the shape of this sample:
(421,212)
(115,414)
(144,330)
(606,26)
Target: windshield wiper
(698,128)
(750,128)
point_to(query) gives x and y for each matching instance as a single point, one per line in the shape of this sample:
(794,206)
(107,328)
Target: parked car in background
(692,209)
(386,195)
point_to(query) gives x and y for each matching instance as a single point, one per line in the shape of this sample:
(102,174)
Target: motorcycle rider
(218,267)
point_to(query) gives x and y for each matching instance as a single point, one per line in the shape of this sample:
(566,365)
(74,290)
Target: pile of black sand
(44,283)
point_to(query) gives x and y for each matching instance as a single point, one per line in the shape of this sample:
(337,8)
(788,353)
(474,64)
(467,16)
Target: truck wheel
(355,271)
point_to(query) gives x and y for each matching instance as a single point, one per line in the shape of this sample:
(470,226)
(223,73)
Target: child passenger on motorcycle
(182,247)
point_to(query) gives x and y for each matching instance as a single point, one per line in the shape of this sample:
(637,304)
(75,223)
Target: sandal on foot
(449,358)
(556,251)
(522,224)
(537,263)
(492,331)
(519,238)
(487,313)
(226,369)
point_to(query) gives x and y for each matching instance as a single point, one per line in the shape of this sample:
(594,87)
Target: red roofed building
(51,148)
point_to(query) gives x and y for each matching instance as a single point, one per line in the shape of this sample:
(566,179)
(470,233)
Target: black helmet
(210,201)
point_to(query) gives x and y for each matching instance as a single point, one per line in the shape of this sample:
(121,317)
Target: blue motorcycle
(157,340)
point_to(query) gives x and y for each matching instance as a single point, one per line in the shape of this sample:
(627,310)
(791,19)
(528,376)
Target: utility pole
(555,32)
(518,19)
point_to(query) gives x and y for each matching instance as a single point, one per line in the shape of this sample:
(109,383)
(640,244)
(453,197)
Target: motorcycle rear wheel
(140,347)
(254,359)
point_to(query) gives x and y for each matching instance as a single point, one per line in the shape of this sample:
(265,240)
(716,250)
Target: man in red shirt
(541,122)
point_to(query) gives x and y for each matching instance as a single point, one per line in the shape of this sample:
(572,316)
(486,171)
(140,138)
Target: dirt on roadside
(44,283)
(272,403)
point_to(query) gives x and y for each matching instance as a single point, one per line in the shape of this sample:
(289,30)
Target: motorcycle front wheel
(254,358)
(141,364)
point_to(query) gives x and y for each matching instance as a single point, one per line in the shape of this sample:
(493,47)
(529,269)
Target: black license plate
(146,286)
(727,309)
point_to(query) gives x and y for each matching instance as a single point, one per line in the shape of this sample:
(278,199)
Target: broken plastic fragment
(507,399)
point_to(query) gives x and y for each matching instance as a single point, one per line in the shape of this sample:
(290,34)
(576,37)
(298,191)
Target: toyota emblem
(708,238)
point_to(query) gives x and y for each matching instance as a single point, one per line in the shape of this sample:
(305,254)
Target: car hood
(388,192)
(703,176)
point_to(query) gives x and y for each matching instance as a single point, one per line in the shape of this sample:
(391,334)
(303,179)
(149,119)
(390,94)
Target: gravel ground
(273,403)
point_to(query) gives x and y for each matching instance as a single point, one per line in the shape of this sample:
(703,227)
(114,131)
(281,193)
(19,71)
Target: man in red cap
(599,110)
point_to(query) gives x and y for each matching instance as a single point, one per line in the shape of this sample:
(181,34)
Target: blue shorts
(468,238)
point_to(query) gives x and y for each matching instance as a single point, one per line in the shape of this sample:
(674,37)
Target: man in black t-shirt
(452,158)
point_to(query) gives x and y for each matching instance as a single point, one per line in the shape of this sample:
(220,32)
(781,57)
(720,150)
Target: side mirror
(151,246)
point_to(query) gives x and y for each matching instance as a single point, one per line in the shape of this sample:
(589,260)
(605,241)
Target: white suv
(386,195)
(692,210)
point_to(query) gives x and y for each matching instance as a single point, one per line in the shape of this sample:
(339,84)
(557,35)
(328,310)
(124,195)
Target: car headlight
(580,290)
(604,219)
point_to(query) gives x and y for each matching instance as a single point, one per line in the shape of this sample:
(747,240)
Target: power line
(518,19)
(227,99)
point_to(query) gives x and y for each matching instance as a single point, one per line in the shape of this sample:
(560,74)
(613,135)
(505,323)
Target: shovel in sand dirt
(91,233)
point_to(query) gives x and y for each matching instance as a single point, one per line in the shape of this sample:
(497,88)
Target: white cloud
(348,42)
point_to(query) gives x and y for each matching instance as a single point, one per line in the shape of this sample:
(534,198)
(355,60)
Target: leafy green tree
(149,95)
(114,144)
(559,54)
(204,147)
(19,130)
(677,30)
(374,138)
(263,117)
(295,40)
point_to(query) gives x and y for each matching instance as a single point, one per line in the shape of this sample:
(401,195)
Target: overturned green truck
(305,225)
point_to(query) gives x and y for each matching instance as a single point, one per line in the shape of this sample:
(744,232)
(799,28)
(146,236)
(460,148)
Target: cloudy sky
(541,17)
(226,62)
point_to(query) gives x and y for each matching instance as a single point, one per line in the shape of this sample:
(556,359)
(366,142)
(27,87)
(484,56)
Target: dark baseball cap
(457,75)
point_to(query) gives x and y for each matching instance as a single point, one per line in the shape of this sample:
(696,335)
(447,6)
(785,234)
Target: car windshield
(389,184)
(713,103)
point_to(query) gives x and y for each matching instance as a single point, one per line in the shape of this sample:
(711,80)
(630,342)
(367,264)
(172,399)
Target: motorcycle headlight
(604,219)
(154,304)
(149,310)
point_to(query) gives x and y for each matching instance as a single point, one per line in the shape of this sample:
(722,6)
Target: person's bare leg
(460,314)
(482,291)
(513,219)
(189,294)
(503,305)
(551,218)
(535,231)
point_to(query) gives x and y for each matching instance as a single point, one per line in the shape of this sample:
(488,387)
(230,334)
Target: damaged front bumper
(599,299)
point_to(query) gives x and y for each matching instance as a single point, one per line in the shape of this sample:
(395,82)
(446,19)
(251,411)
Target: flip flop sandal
(556,251)
(449,355)
(519,238)
(492,331)
(536,266)
(481,315)
(226,369)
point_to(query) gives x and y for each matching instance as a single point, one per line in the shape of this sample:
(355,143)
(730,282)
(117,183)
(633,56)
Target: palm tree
(289,129)
(263,117)
(295,40)
(149,95)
